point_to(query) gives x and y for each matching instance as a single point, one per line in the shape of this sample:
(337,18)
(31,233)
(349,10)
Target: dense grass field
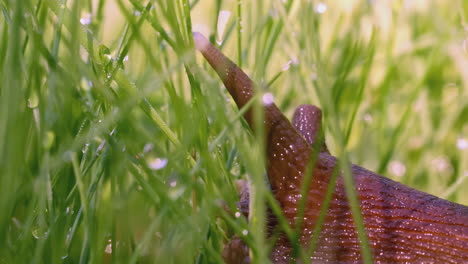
(118,144)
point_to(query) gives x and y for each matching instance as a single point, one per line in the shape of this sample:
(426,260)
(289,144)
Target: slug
(403,225)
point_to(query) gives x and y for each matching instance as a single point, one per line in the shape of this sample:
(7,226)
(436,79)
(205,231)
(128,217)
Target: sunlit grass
(119,144)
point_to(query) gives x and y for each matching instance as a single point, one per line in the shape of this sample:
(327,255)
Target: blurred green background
(119,144)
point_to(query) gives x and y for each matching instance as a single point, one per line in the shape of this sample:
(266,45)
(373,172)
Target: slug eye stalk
(238,84)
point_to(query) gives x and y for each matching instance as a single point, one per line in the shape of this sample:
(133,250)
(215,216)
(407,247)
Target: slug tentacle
(239,85)
(307,120)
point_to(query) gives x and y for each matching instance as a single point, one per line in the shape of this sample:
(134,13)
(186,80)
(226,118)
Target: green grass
(90,114)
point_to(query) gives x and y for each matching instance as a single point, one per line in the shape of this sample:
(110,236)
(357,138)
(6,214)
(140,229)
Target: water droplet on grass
(397,168)
(321,8)
(268,99)
(462,143)
(157,163)
(100,147)
(175,192)
(33,101)
(38,233)
(173,183)
(85,148)
(148,147)
(86,20)
(108,249)
(49,139)
(293,61)
(368,118)
(442,164)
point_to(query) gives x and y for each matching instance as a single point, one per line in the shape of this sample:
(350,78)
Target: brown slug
(403,225)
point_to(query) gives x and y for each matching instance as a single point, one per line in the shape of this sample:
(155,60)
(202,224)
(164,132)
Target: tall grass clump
(118,144)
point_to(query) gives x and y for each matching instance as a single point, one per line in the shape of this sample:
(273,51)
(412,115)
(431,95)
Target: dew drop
(108,249)
(157,163)
(84,150)
(321,8)
(174,193)
(442,164)
(368,118)
(86,20)
(86,84)
(397,168)
(293,61)
(38,233)
(173,183)
(268,99)
(48,140)
(35,234)
(33,101)
(462,143)
(291,198)
(148,147)
(101,147)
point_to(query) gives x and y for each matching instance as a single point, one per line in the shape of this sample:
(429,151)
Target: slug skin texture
(403,225)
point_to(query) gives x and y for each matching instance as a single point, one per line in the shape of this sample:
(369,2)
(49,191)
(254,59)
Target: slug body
(403,225)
